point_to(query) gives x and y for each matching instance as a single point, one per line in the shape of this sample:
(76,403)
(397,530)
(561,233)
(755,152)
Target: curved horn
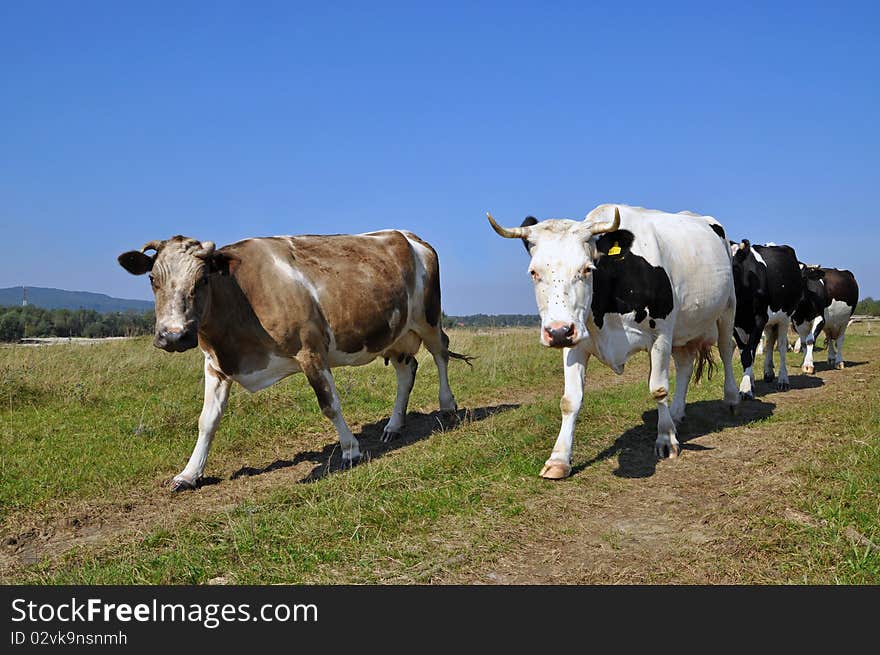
(206,249)
(597,225)
(152,245)
(508,232)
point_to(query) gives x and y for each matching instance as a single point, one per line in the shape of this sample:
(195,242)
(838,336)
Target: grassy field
(90,437)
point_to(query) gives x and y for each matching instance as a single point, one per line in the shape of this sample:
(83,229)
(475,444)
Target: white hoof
(840,366)
(555,469)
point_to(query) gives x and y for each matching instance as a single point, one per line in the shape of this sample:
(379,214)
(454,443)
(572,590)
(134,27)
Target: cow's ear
(223,263)
(745,245)
(136,262)
(527,222)
(616,243)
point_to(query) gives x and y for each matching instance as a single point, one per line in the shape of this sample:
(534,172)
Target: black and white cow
(834,305)
(768,289)
(809,312)
(628,279)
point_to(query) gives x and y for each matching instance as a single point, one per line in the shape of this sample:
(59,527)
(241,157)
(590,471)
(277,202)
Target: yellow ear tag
(615,249)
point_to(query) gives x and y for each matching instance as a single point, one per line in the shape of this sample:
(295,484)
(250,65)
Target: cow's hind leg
(405,366)
(838,360)
(666,444)
(437,343)
(830,343)
(216,394)
(782,383)
(725,349)
(574,362)
(772,334)
(321,379)
(684,369)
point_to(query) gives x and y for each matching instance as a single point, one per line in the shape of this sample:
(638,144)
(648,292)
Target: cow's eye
(535,275)
(153,282)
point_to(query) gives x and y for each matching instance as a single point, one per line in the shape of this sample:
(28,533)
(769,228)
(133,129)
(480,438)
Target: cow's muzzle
(177,340)
(559,334)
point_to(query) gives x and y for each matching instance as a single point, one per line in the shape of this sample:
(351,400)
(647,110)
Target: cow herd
(624,280)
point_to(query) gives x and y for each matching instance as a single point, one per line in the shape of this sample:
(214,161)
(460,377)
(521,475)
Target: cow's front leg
(747,357)
(805,338)
(318,374)
(574,361)
(216,394)
(666,444)
(405,366)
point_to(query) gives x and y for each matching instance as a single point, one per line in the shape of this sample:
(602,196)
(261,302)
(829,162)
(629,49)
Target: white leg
(666,444)
(838,362)
(350,451)
(574,361)
(216,394)
(437,344)
(725,348)
(805,337)
(829,345)
(405,367)
(447,400)
(684,369)
(746,387)
(783,383)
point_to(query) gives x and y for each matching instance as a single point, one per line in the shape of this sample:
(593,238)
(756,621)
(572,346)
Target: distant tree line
(492,320)
(19,322)
(869,307)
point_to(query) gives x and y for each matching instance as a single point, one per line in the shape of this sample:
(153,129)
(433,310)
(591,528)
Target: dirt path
(691,521)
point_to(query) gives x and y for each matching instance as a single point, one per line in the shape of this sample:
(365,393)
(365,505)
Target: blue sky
(126,122)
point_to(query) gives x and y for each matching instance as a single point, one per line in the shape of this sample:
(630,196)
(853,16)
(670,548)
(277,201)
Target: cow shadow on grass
(797,381)
(635,447)
(419,426)
(825,366)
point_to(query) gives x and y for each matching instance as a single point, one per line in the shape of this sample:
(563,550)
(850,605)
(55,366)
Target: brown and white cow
(263,308)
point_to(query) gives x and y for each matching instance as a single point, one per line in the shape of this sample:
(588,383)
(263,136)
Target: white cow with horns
(628,279)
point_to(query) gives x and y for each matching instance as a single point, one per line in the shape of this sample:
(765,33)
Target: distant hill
(61,299)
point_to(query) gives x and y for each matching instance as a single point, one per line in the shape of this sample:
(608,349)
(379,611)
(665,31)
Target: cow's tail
(705,362)
(467,359)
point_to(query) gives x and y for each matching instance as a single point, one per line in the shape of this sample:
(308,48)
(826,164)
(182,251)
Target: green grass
(102,424)
(76,421)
